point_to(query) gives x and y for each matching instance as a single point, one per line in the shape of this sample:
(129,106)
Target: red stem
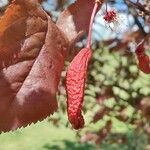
(96,6)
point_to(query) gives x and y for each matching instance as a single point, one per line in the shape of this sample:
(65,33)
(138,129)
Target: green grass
(42,136)
(45,136)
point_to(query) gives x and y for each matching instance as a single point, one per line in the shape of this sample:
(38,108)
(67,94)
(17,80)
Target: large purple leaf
(28,84)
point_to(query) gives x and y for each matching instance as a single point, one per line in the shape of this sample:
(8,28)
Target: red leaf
(75,19)
(28,85)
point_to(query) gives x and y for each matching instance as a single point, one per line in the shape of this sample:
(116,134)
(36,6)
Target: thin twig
(138,6)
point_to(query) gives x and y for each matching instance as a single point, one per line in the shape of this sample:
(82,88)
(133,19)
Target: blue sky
(3,2)
(101,31)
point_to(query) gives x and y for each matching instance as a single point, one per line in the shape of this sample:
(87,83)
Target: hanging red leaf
(144,60)
(75,83)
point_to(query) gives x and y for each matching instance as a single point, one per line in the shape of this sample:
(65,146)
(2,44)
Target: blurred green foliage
(115,89)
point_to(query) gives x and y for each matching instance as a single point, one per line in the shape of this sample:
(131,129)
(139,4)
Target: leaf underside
(74,22)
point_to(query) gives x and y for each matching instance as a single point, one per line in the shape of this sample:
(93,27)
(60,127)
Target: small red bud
(110,16)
